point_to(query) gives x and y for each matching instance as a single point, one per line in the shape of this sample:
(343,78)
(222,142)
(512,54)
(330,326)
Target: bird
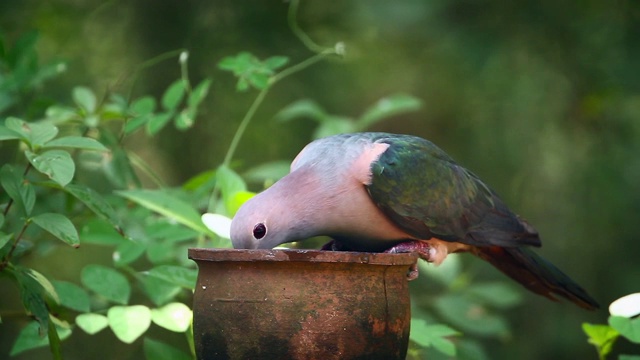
(394,193)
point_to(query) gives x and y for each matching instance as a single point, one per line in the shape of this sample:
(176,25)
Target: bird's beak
(244,243)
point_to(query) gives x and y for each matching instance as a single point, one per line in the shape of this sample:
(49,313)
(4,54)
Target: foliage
(623,322)
(47,195)
(147,231)
(44,198)
(329,124)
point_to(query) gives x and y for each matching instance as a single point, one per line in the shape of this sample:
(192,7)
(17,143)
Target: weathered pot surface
(301,304)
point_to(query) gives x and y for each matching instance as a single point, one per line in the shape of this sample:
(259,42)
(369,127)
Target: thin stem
(243,124)
(184,71)
(6,210)
(7,258)
(260,98)
(146,169)
(149,63)
(142,66)
(10,203)
(302,65)
(321,53)
(302,36)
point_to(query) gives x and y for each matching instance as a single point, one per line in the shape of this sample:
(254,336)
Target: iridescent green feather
(427,194)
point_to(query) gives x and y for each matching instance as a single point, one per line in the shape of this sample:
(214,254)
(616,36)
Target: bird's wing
(427,194)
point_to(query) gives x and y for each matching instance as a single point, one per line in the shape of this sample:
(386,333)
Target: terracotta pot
(301,304)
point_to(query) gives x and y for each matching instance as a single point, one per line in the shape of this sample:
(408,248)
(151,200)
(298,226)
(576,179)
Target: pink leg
(420,247)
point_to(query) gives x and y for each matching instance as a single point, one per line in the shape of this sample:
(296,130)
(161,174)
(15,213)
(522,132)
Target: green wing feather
(427,194)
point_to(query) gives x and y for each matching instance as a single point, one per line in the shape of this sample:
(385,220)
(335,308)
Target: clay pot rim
(300,255)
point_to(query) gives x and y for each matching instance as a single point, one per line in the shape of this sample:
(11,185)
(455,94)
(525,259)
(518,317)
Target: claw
(423,250)
(413,272)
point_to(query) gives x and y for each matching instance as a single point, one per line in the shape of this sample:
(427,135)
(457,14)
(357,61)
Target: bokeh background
(541,99)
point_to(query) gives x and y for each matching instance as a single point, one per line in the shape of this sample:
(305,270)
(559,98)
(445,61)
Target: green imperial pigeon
(397,193)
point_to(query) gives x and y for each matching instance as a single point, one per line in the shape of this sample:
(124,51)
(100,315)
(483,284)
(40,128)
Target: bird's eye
(259,231)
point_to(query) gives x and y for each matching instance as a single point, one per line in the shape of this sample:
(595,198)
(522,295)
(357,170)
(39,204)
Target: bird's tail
(535,273)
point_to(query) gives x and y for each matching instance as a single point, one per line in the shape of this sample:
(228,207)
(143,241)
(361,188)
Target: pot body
(301,304)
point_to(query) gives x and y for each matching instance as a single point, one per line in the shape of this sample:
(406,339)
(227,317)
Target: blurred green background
(541,99)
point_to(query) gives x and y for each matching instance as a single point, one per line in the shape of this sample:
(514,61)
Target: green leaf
(32,294)
(301,109)
(59,226)
(334,125)
(435,335)
(629,328)
(230,183)
(242,85)
(238,64)
(35,134)
(72,296)
(143,106)
(388,107)
(47,286)
(470,317)
(106,282)
(54,340)
(120,171)
(258,80)
(127,252)
(158,290)
(96,231)
(175,317)
(92,121)
(601,336)
(94,201)
(77,142)
(135,123)
(165,229)
(276,62)
(185,119)
(18,127)
(497,294)
(629,357)
(58,114)
(157,122)
(85,98)
(237,199)
(22,192)
(250,70)
(173,95)
(30,338)
(181,276)
(267,172)
(199,93)
(56,164)
(156,350)
(4,239)
(160,252)
(167,205)
(8,134)
(204,181)
(92,323)
(41,133)
(129,322)
(142,110)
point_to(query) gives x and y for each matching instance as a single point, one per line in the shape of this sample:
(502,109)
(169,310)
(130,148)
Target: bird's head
(269,219)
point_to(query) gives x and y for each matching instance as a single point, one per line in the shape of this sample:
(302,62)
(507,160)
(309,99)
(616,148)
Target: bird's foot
(423,249)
